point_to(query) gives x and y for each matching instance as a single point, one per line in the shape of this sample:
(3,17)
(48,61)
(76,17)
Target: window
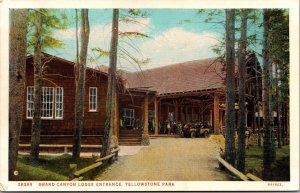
(128,117)
(30,102)
(171,116)
(49,104)
(93,99)
(59,92)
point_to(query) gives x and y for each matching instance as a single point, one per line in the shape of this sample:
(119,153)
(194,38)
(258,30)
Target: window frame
(96,99)
(42,105)
(62,102)
(54,103)
(27,102)
(131,116)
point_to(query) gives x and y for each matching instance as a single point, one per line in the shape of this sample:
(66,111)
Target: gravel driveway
(174,159)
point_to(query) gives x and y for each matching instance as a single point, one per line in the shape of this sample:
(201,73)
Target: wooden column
(201,114)
(176,111)
(192,118)
(216,115)
(168,110)
(146,115)
(156,116)
(181,113)
(186,114)
(221,118)
(210,116)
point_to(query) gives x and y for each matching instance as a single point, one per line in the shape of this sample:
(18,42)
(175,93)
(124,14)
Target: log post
(145,136)
(181,113)
(176,111)
(146,115)
(201,114)
(186,114)
(156,116)
(210,117)
(216,115)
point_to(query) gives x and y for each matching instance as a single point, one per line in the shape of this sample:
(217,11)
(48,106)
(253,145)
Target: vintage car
(196,130)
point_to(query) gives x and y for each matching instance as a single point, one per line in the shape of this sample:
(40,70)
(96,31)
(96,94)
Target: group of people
(168,127)
(174,127)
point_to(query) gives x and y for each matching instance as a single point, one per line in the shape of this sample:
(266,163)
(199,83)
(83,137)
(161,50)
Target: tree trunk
(36,121)
(279,130)
(17,65)
(230,87)
(242,105)
(268,139)
(111,84)
(287,109)
(80,83)
(257,102)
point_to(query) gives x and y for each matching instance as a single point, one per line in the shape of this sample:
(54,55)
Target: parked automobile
(196,130)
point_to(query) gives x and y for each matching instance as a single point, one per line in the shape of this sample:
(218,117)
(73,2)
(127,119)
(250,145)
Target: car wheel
(193,135)
(206,134)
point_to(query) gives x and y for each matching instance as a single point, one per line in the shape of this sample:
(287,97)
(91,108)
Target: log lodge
(183,92)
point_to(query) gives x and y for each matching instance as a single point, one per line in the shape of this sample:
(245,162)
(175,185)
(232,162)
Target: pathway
(173,159)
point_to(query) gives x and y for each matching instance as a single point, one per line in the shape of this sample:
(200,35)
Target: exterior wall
(94,121)
(131,102)
(59,73)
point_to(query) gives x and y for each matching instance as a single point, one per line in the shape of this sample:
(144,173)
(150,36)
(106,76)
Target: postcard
(149,96)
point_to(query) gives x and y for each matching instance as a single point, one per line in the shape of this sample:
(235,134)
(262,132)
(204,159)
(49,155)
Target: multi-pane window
(59,92)
(128,117)
(47,102)
(171,116)
(30,102)
(93,99)
(52,101)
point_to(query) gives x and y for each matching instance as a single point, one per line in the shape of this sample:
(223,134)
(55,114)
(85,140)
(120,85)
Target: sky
(175,35)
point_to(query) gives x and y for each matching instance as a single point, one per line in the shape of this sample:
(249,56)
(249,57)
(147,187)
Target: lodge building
(183,92)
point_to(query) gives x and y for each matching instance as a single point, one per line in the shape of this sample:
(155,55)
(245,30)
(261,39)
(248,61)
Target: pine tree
(17,65)
(37,63)
(80,82)
(111,84)
(242,105)
(230,154)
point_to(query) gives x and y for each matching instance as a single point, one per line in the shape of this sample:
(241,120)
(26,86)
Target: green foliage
(281,169)
(137,12)
(254,162)
(127,38)
(52,19)
(279,48)
(101,53)
(50,167)
(133,35)
(28,172)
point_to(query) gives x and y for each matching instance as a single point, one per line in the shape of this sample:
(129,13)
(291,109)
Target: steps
(130,137)
(165,136)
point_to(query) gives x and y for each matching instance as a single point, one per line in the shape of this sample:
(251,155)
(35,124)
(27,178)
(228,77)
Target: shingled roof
(189,76)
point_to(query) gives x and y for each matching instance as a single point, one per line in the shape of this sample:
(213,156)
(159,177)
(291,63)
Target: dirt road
(175,159)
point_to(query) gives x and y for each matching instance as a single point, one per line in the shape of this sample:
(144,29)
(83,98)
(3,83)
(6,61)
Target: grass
(254,162)
(50,168)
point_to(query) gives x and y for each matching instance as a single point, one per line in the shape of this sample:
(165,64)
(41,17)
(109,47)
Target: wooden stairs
(130,137)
